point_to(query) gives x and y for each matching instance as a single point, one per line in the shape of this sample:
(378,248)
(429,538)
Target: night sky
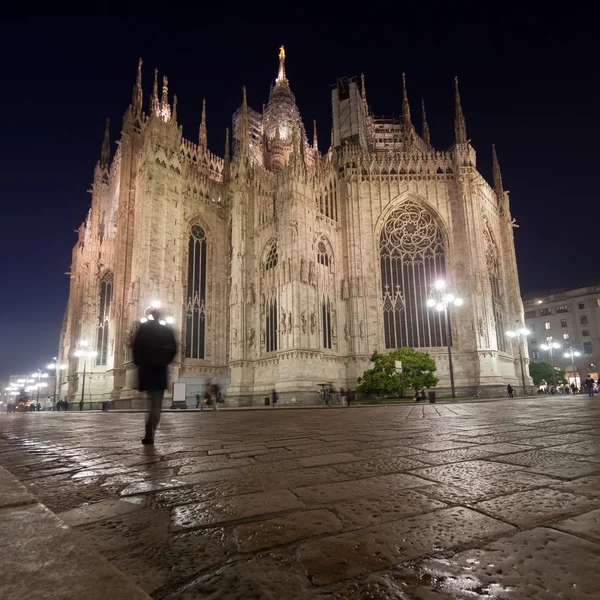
(529,84)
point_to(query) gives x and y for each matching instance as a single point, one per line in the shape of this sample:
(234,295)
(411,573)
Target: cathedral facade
(282,267)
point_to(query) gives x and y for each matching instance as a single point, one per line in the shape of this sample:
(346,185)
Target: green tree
(382,379)
(542,372)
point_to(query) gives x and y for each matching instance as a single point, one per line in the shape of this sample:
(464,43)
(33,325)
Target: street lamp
(551,347)
(441,297)
(82,352)
(148,316)
(57,368)
(572,353)
(519,333)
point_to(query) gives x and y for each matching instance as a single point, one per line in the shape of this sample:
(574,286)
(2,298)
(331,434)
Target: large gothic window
(493,267)
(326,322)
(271,261)
(322,255)
(196,294)
(271,326)
(411,249)
(102,337)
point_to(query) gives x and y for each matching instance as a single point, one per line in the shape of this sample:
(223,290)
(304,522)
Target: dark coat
(154,349)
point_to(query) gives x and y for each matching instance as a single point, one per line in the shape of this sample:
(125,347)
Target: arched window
(411,249)
(271,326)
(106,292)
(271,260)
(493,267)
(195,333)
(322,256)
(326,322)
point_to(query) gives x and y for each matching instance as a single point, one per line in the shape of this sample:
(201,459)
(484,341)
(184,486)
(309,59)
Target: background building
(570,318)
(284,267)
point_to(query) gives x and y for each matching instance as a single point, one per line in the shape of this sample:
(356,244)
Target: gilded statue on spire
(281,78)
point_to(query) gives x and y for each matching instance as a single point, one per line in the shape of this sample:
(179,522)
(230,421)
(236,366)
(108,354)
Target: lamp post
(82,352)
(441,297)
(519,332)
(57,368)
(572,353)
(551,347)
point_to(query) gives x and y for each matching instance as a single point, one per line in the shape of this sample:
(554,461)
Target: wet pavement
(495,500)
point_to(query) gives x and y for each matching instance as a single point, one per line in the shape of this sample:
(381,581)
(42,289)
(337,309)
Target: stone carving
(303,321)
(251,294)
(283,322)
(347,332)
(345,294)
(303,277)
(313,322)
(235,336)
(262,338)
(294,228)
(312,278)
(262,303)
(234,295)
(361,330)
(289,322)
(480,327)
(289,270)
(333,329)
(251,335)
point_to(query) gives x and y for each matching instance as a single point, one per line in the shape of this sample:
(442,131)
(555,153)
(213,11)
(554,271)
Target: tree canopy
(417,373)
(542,372)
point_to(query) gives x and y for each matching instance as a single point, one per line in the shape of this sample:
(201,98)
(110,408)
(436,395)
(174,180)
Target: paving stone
(534,507)
(143,487)
(504,448)
(436,446)
(587,486)
(534,565)
(452,456)
(234,508)
(372,510)
(560,439)
(98,511)
(327,459)
(287,529)
(368,468)
(330,492)
(12,491)
(240,448)
(586,448)
(355,553)
(215,465)
(586,525)
(462,472)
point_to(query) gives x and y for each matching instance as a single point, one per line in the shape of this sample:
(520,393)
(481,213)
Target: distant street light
(81,352)
(57,368)
(551,347)
(441,297)
(572,353)
(520,333)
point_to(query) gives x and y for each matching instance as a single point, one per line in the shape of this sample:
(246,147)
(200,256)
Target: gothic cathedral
(281,267)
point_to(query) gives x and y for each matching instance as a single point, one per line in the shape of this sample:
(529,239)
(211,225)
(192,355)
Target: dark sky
(529,84)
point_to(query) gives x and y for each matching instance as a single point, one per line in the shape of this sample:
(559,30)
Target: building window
(106,292)
(544,312)
(535,354)
(547,325)
(565,336)
(587,348)
(585,333)
(530,314)
(549,340)
(563,323)
(493,266)
(272,257)
(583,319)
(563,308)
(326,322)
(195,331)
(581,305)
(531,327)
(322,256)
(533,341)
(412,258)
(271,326)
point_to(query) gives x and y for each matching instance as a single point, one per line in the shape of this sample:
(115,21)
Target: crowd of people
(212,396)
(589,387)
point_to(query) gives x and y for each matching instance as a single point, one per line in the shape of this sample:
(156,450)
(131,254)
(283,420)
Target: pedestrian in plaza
(154,349)
(66,405)
(589,382)
(274,398)
(80,405)
(573,388)
(214,395)
(509,389)
(198,400)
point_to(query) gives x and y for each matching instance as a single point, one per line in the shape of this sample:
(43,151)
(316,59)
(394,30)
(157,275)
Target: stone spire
(460,127)
(363,90)
(315,142)
(245,133)
(426,135)
(154,107)
(174,116)
(405,105)
(165,110)
(497,174)
(202,139)
(281,78)
(137,99)
(226,160)
(105,154)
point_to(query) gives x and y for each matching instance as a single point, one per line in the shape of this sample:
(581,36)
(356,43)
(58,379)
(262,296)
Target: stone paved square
(328,503)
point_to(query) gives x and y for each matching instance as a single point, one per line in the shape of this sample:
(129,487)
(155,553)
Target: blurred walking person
(509,389)
(214,395)
(154,349)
